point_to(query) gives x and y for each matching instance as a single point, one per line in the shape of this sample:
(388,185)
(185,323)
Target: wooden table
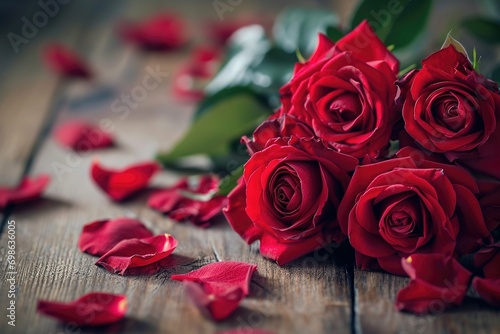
(321,294)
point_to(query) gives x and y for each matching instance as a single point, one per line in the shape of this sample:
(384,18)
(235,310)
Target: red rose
(393,209)
(345,92)
(288,196)
(487,284)
(450,109)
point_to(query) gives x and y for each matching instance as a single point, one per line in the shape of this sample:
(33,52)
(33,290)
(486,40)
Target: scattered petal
(218,288)
(29,189)
(121,184)
(172,201)
(82,136)
(93,309)
(161,32)
(101,236)
(134,253)
(221,31)
(65,61)
(437,282)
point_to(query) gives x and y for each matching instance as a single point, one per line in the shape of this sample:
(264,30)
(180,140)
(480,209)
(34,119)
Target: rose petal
(437,282)
(164,31)
(93,309)
(29,189)
(173,202)
(218,288)
(488,290)
(216,306)
(99,237)
(221,277)
(65,61)
(134,253)
(121,184)
(82,136)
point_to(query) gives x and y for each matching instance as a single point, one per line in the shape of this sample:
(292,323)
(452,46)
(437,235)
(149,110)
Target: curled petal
(437,282)
(137,253)
(161,32)
(488,290)
(219,287)
(65,61)
(29,189)
(93,309)
(99,237)
(221,277)
(82,136)
(121,184)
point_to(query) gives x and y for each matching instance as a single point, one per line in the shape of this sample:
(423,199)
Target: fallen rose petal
(101,236)
(216,306)
(29,189)
(134,253)
(219,287)
(161,32)
(93,309)
(173,202)
(121,184)
(82,136)
(437,282)
(221,277)
(65,61)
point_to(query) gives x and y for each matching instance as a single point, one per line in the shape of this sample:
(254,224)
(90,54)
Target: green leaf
(486,29)
(216,98)
(252,62)
(229,182)
(298,28)
(396,22)
(213,132)
(495,74)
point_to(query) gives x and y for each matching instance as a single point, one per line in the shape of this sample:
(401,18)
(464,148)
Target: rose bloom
(452,110)
(393,209)
(345,92)
(288,195)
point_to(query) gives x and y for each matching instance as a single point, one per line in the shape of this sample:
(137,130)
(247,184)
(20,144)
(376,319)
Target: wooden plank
(375,294)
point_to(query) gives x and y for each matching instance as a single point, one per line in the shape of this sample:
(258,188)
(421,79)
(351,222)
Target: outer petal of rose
(487,289)
(93,309)
(99,237)
(446,60)
(121,184)
(29,189)
(284,253)
(161,32)
(65,62)
(133,253)
(364,43)
(237,216)
(220,278)
(82,136)
(216,306)
(437,282)
(366,262)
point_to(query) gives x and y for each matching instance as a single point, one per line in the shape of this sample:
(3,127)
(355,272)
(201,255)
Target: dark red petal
(93,309)
(236,215)
(29,189)
(82,136)
(164,31)
(219,278)
(65,62)
(216,306)
(134,253)
(488,290)
(99,237)
(447,60)
(437,283)
(121,184)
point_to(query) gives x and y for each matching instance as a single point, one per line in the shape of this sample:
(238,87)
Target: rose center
(345,108)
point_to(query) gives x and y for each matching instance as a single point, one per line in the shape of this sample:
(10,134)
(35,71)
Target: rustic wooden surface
(317,294)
